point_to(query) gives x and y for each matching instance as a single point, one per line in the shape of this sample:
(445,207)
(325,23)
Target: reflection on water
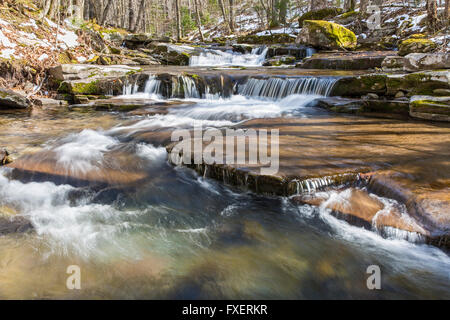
(177,235)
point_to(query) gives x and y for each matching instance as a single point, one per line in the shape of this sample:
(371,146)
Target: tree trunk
(349,5)
(105,12)
(363,7)
(139,18)
(224,14)
(432,13)
(447,11)
(199,22)
(232,22)
(178,15)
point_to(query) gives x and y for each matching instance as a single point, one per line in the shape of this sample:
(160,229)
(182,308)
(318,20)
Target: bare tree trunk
(199,22)
(447,11)
(139,17)
(349,5)
(224,14)
(232,22)
(105,12)
(432,13)
(178,14)
(363,7)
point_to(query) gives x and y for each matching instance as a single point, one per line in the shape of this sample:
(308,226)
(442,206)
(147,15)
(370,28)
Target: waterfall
(278,88)
(185,86)
(229,58)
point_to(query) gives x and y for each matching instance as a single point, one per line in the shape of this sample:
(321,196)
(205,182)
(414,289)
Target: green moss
(348,14)
(320,14)
(84,88)
(414,45)
(341,36)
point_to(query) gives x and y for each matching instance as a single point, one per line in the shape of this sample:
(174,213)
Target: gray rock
(430,108)
(83,71)
(426,61)
(14,225)
(393,63)
(13,100)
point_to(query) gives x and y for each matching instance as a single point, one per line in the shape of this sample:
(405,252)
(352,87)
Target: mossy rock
(416,46)
(419,83)
(430,108)
(320,14)
(361,85)
(326,35)
(266,39)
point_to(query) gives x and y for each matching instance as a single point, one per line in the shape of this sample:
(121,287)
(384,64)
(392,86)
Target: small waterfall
(229,58)
(278,88)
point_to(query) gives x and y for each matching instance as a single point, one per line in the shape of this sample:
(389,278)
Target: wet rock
(279,60)
(326,35)
(14,225)
(426,61)
(430,108)
(370,96)
(320,14)
(337,104)
(13,100)
(5,158)
(416,46)
(345,61)
(360,85)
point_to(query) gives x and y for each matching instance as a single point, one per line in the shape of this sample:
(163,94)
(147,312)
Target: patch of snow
(81,59)
(43,57)
(51,23)
(4,41)
(68,38)
(4,23)
(279,31)
(32,23)
(8,53)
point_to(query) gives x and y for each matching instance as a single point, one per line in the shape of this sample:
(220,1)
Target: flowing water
(175,234)
(229,58)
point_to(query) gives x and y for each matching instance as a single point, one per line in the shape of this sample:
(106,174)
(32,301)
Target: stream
(176,234)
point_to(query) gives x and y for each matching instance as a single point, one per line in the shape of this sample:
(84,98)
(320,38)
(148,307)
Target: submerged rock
(326,35)
(12,100)
(14,225)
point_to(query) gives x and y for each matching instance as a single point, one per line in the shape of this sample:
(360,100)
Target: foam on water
(82,152)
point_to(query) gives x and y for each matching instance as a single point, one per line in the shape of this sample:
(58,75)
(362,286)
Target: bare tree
(199,22)
(178,18)
(432,13)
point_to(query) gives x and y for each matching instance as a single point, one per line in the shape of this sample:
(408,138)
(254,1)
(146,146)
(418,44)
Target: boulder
(341,105)
(12,100)
(172,54)
(275,38)
(326,35)
(415,46)
(320,14)
(426,61)
(430,108)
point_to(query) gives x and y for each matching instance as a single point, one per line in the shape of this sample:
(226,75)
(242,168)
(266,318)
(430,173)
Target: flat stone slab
(346,60)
